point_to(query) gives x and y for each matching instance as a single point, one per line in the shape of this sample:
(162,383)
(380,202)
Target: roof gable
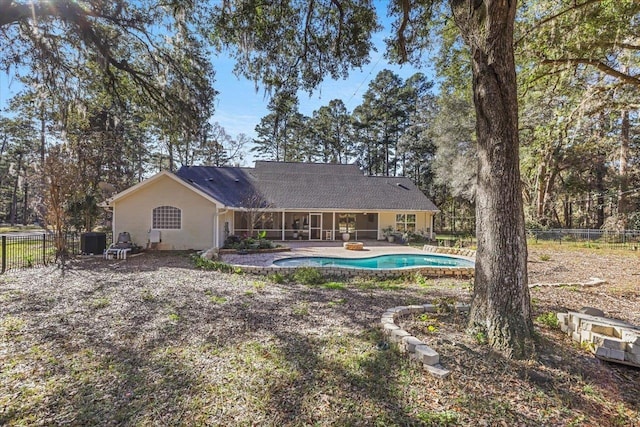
(163,174)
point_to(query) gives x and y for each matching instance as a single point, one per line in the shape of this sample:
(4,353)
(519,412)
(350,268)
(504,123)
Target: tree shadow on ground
(341,389)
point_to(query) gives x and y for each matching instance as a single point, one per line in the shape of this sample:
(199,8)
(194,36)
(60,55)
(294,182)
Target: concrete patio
(321,248)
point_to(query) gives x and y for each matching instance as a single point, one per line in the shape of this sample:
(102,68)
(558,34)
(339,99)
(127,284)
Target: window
(167,217)
(406,222)
(347,223)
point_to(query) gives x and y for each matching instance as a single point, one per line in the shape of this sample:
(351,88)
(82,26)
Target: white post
(432,224)
(333,227)
(284,226)
(216,224)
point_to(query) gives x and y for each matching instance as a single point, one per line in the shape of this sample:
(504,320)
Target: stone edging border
(255,251)
(407,343)
(449,251)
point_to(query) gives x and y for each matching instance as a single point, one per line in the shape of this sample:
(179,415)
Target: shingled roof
(308,186)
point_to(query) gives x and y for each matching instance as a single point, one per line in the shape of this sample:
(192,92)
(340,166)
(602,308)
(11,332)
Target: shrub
(308,276)
(549,320)
(421,280)
(265,244)
(207,264)
(232,242)
(278,278)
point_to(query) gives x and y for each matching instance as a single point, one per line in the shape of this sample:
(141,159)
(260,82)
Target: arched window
(167,217)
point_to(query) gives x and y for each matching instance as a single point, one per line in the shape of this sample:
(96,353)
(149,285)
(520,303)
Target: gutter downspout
(216,225)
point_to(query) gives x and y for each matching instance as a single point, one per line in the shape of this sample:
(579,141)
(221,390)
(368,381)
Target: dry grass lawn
(155,341)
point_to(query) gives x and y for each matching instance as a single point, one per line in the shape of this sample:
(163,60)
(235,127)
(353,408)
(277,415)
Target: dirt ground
(619,297)
(155,341)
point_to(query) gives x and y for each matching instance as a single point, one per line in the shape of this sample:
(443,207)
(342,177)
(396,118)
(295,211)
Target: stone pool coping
(262,263)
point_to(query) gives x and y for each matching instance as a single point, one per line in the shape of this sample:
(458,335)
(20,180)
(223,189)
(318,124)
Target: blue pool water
(378,262)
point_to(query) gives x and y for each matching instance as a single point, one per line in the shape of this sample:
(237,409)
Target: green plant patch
(147,295)
(11,325)
(277,278)
(308,276)
(421,281)
(301,309)
(101,302)
(259,285)
(548,320)
(445,418)
(336,302)
(392,284)
(339,286)
(217,299)
(207,264)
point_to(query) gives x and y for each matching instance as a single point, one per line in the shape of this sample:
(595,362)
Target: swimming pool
(382,262)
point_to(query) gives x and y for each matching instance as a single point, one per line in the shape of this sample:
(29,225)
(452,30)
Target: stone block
(574,323)
(437,370)
(575,336)
(616,354)
(633,348)
(464,308)
(630,336)
(608,353)
(563,318)
(608,341)
(564,327)
(602,352)
(415,309)
(585,336)
(411,342)
(389,313)
(592,311)
(430,308)
(427,355)
(389,327)
(602,320)
(401,311)
(387,320)
(398,334)
(632,358)
(597,328)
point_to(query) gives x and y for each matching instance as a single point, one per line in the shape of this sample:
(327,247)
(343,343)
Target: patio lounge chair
(120,248)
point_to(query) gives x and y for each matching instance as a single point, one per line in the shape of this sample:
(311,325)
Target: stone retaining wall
(429,272)
(609,339)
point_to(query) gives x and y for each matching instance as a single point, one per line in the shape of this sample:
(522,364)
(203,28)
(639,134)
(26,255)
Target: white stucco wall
(133,213)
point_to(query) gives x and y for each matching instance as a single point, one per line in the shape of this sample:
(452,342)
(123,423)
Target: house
(199,206)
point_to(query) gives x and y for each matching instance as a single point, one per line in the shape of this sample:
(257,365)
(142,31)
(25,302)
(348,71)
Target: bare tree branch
(635,81)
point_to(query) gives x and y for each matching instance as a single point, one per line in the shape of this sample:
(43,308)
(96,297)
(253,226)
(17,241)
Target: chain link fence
(625,239)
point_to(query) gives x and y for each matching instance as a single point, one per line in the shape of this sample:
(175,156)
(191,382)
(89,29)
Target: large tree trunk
(622,168)
(501,304)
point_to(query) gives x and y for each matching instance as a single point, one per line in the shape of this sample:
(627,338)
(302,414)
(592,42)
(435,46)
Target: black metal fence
(625,239)
(33,249)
